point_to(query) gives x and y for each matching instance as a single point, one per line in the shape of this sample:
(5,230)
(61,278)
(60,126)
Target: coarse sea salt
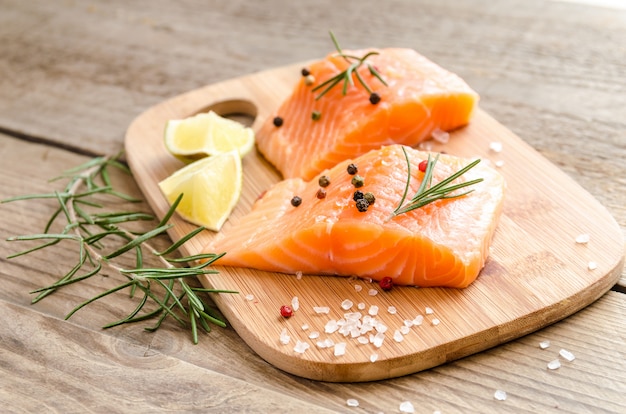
(499,395)
(495,146)
(326,343)
(358,288)
(373,311)
(405,329)
(567,355)
(583,238)
(392,310)
(314,335)
(435,322)
(295,303)
(592,265)
(372,292)
(397,336)
(346,304)
(249,297)
(331,326)
(284,337)
(351,402)
(407,407)
(374,357)
(321,309)
(340,349)
(499,163)
(360,306)
(298,275)
(301,347)
(418,320)
(544,344)
(429,311)
(554,364)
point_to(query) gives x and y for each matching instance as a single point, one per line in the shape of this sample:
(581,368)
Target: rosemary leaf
(428,193)
(144,237)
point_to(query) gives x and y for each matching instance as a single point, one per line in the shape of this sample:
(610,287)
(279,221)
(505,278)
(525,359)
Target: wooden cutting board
(536,275)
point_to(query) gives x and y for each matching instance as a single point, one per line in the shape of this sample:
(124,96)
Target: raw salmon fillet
(444,243)
(420,97)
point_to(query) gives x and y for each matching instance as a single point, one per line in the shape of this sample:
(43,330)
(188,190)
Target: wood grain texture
(75,74)
(536,275)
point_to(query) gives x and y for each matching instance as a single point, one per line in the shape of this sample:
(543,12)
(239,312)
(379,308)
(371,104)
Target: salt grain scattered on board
(499,395)
(295,303)
(346,304)
(351,402)
(544,344)
(373,292)
(249,297)
(392,310)
(418,320)
(429,311)
(340,349)
(567,355)
(435,322)
(592,265)
(495,146)
(499,163)
(407,407)
(374,357)
(321,309)
(397,336)
(301,347)
(358,288)
(554,364)
(284,337)
(582,239)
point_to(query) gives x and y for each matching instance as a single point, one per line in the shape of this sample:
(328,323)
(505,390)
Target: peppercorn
(369,197)
(324,181)
(386,283)
(358,195)
(321,193)
(358,181)
(286,311)
(422,166)
(352,169)
(316,115)
(374,98)
(278,121)
(305,72)
(296,201)
(362,205)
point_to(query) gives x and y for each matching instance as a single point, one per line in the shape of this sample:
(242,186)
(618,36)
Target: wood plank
(527,279)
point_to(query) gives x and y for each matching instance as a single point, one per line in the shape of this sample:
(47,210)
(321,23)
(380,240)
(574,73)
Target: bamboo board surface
(536,275)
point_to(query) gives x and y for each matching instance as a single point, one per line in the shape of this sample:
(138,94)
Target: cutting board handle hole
(239,110)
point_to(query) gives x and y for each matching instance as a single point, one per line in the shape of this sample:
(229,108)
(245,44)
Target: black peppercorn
(358,195)
(324,181)
(358,181)
(362,205)
(352,169)
(296,201)
(374,98)
(278,121)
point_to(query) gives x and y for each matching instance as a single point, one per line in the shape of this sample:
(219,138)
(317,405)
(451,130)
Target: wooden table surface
(74,74)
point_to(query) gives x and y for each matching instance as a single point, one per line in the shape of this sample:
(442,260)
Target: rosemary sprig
(346,75)
(165,291)
(428,193)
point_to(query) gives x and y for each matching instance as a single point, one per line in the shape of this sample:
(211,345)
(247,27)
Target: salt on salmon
(419,98)
(445,243)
